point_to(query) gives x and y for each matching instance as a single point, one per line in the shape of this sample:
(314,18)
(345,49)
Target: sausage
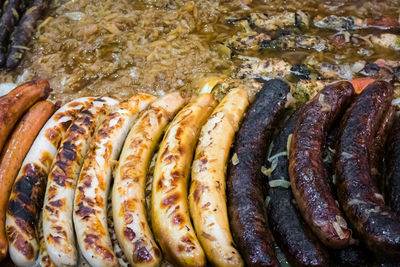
(13,154)
(246,209)
(293,236)
(58,202)
(170,219)
(15,103)
(27,192)
(90,202)
(43,259)
(129,215)
(377,225)
(393,178)
(207,198)
(306,169)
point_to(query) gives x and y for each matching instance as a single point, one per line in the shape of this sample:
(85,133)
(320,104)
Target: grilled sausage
(90,203)
(13,154)
(27,193)
(377,225)
(169,208)
(244,185)
(133,232)
(393,178)
(15,103)
(207,199)
(293,236)
(57,209)
(307,175)
(43,259)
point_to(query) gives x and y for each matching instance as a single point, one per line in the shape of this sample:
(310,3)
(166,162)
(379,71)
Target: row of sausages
(92,146)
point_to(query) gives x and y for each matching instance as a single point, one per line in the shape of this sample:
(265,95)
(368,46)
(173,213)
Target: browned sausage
(15,103)
(307,174)
(13,154)
(377,225)
(245,181)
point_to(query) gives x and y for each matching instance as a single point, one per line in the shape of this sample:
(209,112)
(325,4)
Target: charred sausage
(13,154)
(245,194)
(293,236)
(15,103)
(27,193)
(169,206)
(307,175)
(129,212)
(377,225)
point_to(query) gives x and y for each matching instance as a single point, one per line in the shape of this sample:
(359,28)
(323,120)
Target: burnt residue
(244,185)
(377,225)
(292,234)
(393,178)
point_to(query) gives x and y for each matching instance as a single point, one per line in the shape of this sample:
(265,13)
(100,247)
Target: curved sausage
(377,225)
(27,193)
(169,207)
(129,215)
(58,202)
(13,154)
(90,202)
(393,178)
(293,236)
(307,174)
(207,198)
(245,191)
(15,103)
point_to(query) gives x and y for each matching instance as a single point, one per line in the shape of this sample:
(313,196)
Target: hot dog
(293,236)
(307,175)
(207,197)
(90,202)
(15,103)
(377,225)
(58,202)
(245,191)
(13,154)
(27,193)
(129,216)
(169,207)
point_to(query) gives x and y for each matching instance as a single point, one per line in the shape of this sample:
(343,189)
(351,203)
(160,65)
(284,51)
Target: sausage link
(377,225)
(43,259)
(306,169)
(246,209)
(27,193)
(169,207)
(13,154)
(90,202)
(293,236)
(207,198)
(129,216)
(15,103)
(57,209)
(393,178)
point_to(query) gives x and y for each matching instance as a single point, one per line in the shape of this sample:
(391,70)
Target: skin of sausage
(377,225)
(207,198)
(13,154)
(27,193)
(90,202)
(306,169)
(292,234)
(14,104)
(393,178)
(170,218)
(58,202)
(129,213)
(246,196)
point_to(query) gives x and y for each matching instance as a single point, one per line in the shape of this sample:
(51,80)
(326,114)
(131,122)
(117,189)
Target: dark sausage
(293,236)
(245,191)
(376,224)
(307,174)
(393,178)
